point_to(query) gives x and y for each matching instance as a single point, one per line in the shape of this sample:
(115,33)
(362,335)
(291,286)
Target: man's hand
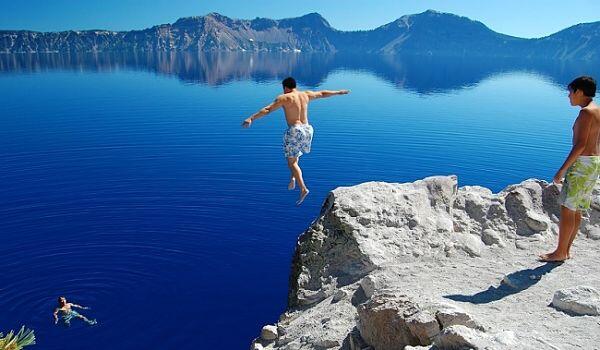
(558,178)
(344,92)
(247,122)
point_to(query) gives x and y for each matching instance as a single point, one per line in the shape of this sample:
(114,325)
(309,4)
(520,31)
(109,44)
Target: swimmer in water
(67,312)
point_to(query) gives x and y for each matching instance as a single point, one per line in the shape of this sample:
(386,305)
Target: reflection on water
(421,74)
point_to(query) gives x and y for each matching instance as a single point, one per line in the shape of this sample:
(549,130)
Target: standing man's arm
(264,111)
(313,95)
(581,131)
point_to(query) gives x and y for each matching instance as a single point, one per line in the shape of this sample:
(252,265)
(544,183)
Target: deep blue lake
(127,184)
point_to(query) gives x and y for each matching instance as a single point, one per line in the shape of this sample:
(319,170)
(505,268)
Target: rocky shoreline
(429,265)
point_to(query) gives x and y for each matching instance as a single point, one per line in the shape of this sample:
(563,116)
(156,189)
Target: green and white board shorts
(580,180)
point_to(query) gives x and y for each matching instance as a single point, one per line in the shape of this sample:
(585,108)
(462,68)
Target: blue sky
(524,18)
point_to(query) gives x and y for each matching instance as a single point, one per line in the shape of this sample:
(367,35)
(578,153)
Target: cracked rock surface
(428,265)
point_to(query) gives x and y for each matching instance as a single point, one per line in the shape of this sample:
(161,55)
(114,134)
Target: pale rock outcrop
(428,265)
(383,321)
(461,337)
(424,326)
(269,332)
(491,237)
(579,300)
(450,315)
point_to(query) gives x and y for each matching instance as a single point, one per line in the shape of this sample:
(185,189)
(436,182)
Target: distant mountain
(577,42)
(427,33)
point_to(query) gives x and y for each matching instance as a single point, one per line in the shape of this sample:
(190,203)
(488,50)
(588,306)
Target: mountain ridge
(427,33)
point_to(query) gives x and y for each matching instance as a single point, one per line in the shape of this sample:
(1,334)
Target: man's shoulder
(282,98)
(590,112)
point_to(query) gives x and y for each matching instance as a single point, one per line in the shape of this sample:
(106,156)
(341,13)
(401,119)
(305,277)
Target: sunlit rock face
(429,264)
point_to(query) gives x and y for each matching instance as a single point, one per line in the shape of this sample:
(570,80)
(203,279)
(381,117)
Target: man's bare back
(589,117)
(295,107)
(295,104)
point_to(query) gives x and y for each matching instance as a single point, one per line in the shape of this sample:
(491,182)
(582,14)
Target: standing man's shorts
(297,140)
(576,193)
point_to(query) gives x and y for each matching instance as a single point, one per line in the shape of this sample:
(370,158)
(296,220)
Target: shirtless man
(68,313)
(580,169)
(298,137)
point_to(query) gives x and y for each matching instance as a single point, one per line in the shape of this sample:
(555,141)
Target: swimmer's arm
(313,95)
(581,131)
(55,316)
(278,103)
(79,306)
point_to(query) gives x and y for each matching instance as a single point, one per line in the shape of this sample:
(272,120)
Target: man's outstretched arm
(313,95)
(263,111)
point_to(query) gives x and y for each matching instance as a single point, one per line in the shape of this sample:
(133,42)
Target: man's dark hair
(585,84)
(289,83)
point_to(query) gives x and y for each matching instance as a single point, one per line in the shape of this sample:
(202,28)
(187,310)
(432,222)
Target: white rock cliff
(428,265)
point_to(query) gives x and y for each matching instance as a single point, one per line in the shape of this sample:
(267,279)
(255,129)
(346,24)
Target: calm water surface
(127,184)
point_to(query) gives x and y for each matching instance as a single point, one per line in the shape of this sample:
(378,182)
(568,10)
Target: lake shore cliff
(429,265)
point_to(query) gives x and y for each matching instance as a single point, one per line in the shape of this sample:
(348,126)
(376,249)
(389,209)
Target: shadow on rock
(511,284)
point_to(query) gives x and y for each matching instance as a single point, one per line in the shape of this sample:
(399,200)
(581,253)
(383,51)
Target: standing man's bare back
(589,118)
(297,139)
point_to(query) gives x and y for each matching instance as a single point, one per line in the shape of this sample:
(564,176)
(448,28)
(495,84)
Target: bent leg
(296,172)
(565,229)
(292,183)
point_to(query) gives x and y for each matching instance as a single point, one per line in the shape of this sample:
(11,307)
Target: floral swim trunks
(297,140)
(580,180)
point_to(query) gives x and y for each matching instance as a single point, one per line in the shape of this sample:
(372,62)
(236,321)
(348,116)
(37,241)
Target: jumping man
(298,137)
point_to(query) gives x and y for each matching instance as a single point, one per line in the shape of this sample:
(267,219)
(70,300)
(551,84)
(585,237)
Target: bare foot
(292,184)
(303,195)
(552,257)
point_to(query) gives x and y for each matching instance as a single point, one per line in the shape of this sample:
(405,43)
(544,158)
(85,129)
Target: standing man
(580,169)
(298,137)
